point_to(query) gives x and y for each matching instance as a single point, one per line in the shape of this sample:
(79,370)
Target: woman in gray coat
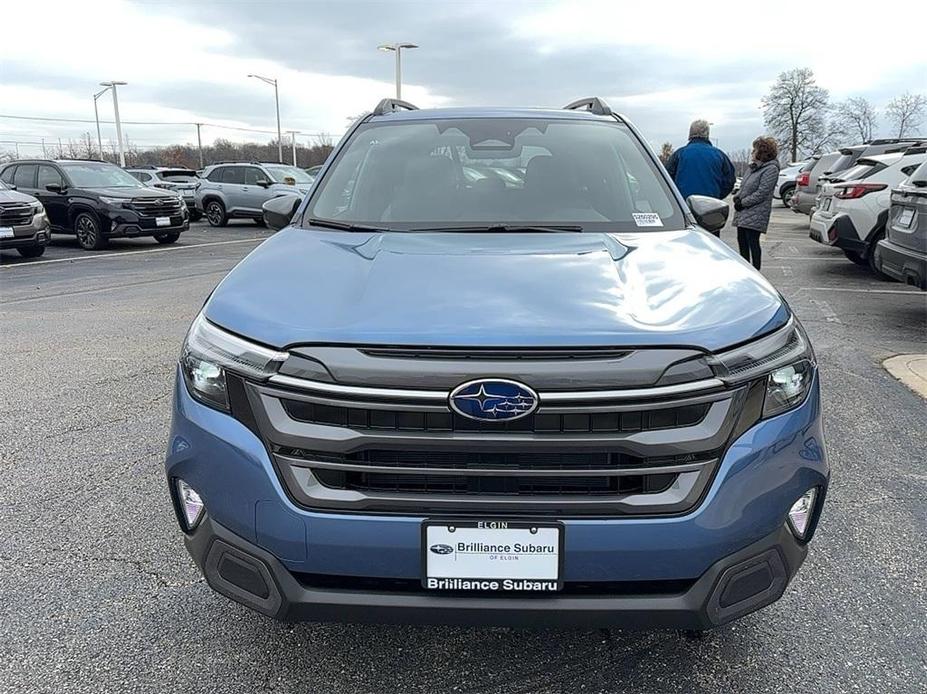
(753,203)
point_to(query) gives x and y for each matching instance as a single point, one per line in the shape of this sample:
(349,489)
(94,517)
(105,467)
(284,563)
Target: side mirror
(263,182)
(710,213)
(10,186)
(280,210)
(54,188)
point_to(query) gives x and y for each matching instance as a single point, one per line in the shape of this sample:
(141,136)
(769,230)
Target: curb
(910,369)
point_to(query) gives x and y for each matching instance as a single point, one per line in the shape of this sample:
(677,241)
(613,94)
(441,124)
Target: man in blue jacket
(700,168)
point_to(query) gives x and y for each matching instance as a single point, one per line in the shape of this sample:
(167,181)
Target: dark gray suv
(231,190)
(902,254)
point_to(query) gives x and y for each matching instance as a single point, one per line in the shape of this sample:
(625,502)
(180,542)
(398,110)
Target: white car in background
(785,186)
(853,209)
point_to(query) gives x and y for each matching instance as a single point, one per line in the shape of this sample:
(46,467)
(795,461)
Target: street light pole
(199,143)
(293,134)
(122,152)
(96,115)
(397,49)
(273,82)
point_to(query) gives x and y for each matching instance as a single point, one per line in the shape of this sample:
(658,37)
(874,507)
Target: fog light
(800,513)
(190,504)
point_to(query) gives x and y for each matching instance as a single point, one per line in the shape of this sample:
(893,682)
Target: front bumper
(902,264)
(146,226)
(742,516)
(732,587)
(36,233)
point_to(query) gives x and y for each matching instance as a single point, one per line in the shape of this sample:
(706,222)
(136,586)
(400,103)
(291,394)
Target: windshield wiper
(510,228)
(344,226)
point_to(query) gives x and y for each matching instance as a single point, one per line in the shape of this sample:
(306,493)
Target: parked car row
(858,195)
(95,201)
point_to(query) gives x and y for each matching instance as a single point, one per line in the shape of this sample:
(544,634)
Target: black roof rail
(392,105)
(593,104)
(894,140)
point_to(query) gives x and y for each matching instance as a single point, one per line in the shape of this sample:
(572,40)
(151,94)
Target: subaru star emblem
(441,549)
(494,400)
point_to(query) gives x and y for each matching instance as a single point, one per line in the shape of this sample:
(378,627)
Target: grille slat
(580,422)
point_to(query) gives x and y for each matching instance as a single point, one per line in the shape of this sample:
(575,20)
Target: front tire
(787,194)
(216,214)
(167,238)
(31,252)
(89,233)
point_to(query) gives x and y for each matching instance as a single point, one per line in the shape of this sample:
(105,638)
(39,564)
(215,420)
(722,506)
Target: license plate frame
(485,570)
(7,233)
(162,221)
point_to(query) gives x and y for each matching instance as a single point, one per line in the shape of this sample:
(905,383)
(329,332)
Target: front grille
(574,422)
(596,451)
(14,214)
(156,207)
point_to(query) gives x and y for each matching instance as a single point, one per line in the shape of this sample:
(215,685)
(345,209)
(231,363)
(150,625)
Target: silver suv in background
(806,184)
(902,254)
(238,190)
(180,180)
(23,222)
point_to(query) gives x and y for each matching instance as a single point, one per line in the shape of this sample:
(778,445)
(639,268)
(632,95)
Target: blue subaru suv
(493,371)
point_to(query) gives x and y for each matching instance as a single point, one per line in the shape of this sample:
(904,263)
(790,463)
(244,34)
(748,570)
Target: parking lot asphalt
(98,594)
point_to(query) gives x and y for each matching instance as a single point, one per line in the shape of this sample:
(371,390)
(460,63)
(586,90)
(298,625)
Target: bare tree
(856,118)
(796,109)
(666,151)
(906,112)
(740,158)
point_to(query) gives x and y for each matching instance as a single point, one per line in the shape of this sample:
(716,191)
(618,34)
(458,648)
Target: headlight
(37,208)
(784,358)
(209,352)
(115,202)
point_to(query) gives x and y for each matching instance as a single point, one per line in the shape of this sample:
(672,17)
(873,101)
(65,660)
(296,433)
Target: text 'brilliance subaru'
(493,372)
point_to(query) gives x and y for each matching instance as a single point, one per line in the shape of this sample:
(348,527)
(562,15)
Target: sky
(662,64)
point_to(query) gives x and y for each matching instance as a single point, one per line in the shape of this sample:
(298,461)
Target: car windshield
(91,175)
(281,173)
(477,173)
(3,186)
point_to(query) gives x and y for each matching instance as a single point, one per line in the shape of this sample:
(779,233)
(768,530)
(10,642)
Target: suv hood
(14,196)
(681,288)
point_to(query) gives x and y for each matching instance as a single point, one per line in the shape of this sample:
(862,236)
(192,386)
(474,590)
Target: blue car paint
(656,288)
(762,474)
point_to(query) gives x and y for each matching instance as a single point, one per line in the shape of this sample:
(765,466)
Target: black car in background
(98,201)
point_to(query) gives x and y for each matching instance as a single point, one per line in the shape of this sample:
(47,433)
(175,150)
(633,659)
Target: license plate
(163,221)
(6,232)
(906,217)
(492,556)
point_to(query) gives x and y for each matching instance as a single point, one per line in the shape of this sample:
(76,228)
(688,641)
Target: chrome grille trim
(546,398)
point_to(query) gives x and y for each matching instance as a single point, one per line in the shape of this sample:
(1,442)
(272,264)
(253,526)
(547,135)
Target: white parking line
(125,253)
(863,291)
(826,311)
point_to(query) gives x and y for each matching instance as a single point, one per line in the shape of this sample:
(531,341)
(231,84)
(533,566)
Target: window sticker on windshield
(647,219)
